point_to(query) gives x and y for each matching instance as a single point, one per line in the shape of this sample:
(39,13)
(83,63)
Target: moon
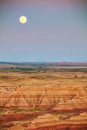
(23,19)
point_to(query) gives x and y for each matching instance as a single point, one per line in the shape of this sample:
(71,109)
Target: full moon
(22,19)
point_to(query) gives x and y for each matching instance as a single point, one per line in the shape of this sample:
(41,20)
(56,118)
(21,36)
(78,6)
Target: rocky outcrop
(79,119)
(62,127)
(45,120)
(19,116)
(52,98)
(50,122)
(55,127)
(16,128)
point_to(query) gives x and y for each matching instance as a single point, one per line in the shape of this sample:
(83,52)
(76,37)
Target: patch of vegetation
(64,116)
(1,112)
(4,77)
(38,110)
(17,110)
(17,69)
(1,109)
(77,70)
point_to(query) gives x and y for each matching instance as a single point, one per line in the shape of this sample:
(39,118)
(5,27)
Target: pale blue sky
(53,32)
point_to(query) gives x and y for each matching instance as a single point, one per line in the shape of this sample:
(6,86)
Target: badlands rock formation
(50,122)
(58,98)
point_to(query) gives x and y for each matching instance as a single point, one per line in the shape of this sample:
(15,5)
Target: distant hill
(43,66)
(44,63)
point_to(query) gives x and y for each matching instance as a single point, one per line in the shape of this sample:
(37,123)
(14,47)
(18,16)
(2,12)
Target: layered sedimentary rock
(54,98)
(50,122)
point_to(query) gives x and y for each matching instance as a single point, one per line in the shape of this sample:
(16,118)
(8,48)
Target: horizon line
(43,62)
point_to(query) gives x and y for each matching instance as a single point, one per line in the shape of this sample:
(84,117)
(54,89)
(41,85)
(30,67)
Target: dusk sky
(56,31)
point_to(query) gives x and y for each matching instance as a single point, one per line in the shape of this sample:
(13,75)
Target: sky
(56,31)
